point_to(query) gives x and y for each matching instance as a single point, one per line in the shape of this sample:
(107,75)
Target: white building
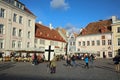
(71,49)
(17,27)
(96,38)
(47,36)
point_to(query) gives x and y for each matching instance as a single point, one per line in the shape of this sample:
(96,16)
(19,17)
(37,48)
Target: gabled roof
(25,8)
(28,11)
(45,32)
(97,27)
(75,34)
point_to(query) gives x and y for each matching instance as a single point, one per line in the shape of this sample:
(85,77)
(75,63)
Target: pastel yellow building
(116,35)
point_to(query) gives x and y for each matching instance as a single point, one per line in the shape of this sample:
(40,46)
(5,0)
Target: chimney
(114,19)
(40,22)
(81,30)
(50,26)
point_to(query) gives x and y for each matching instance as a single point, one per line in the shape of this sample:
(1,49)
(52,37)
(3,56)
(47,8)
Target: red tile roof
(97,27)
(45,32)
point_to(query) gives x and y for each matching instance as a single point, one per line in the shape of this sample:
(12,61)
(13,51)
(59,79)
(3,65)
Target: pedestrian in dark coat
(116,60)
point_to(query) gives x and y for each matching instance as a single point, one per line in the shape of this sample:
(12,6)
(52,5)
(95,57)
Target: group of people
(37,59)
(71,61)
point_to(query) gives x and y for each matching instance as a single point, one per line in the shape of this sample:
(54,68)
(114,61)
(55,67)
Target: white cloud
(59,4)
(71,28)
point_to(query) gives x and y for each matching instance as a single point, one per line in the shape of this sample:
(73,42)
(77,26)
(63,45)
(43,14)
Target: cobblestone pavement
(102,69)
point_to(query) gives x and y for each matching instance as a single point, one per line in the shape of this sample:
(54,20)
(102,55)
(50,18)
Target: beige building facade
(17,27)
(96,38)
(98,44)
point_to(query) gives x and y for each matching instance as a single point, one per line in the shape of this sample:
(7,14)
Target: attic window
(47,35)
(40,33)
(72,37)
(103,37)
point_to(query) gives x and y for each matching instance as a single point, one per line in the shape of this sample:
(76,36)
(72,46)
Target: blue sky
(72,14)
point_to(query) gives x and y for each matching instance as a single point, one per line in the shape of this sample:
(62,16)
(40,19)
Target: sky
(72,15)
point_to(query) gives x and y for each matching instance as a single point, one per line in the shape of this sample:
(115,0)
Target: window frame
(2,13)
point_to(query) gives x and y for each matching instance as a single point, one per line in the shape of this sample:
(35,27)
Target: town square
(59,40)
(102,69)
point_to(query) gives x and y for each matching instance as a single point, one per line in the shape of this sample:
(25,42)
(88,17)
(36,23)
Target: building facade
(72,43)
(16,27)
(47,36)
(96,38)
(116,35)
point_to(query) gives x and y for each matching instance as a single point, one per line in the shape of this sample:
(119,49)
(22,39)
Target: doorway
(104,56)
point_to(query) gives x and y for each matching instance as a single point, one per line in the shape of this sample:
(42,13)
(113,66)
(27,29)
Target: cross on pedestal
(49,50)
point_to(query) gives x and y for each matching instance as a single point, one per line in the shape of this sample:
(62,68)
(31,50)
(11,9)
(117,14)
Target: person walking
(116,60)
(53,66)
(34,59)
(69,62)
(91,59)
(86,61)
(73,60)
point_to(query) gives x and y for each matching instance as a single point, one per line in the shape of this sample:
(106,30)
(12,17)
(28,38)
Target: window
(98,54)
(11,1)
(74,43)
(103,42)
(93,43)
(1,29)
(19,44)
(28,44)
(35,40)
(98,42)
(14,32)
(2,13)
(15,17)
(79,43)
(118,29)
(51,42)
(42,41)
(28,34)
(13,44)
(20,19)
(109,42)
(110,54)
(118,41)
(56,43)
(17,4)
(78,49)
(83,43)
(35,46)
(103,37)
(88,43)
(29,22)
(1,43)
(20,33)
